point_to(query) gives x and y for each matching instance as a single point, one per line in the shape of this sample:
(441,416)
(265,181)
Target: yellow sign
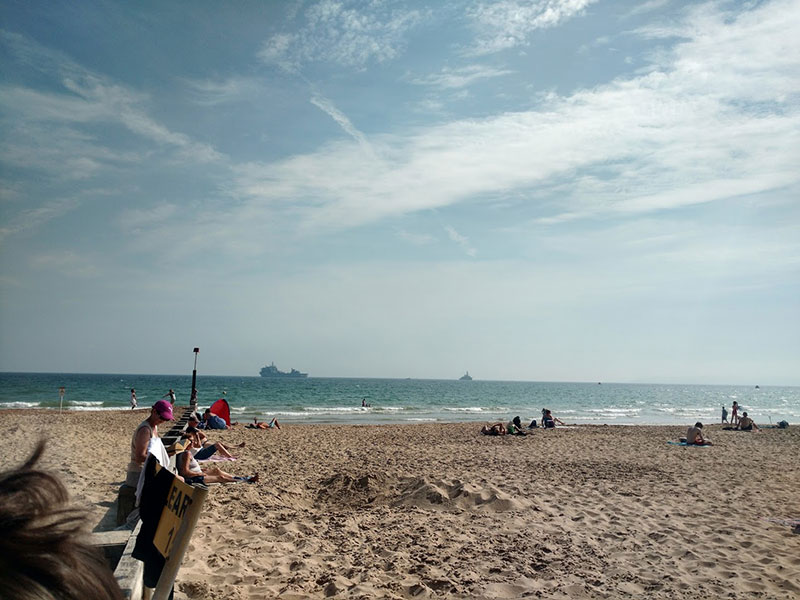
(179,498)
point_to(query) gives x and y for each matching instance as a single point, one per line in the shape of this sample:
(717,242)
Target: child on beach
(724,414)
(133,399)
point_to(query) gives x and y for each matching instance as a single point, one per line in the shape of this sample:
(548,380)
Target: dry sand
(440,511)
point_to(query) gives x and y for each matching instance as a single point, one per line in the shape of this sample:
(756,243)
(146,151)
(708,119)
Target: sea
(340,400)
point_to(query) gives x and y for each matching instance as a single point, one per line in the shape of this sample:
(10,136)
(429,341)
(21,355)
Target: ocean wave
(73,403)
(20,404)
(335,409)
(466,409)
(86,408)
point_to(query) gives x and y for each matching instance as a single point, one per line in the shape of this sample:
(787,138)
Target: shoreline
(311,421)
(431,509)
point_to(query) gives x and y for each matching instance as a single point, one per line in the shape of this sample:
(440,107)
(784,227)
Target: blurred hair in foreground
(44,548)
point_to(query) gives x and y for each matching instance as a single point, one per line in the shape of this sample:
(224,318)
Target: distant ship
(272,371)
(465,377)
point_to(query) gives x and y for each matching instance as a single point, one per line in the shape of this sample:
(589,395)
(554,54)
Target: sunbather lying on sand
(496,429)
(260,425)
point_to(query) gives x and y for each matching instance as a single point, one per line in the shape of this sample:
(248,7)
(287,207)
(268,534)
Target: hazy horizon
(533,190)
(311,376)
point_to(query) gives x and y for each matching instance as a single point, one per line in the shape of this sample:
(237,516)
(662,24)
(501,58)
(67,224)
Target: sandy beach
(437,510)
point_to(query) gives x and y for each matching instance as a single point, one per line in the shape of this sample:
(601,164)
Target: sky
(536,190)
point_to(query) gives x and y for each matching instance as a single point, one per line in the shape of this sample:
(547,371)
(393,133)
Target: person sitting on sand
(256,424)
(496,429)
(549,421)
(746,423)
(514,427)
(209,447)
(213,421)
(193,473)
(694,436)
(203,448)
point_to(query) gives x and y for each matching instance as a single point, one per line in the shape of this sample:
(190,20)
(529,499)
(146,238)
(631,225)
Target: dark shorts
(206,452)
(197,479)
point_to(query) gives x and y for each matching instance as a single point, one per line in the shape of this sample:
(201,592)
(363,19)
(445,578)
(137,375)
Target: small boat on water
(465,377)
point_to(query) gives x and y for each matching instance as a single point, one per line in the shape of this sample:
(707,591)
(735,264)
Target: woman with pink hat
(148,429)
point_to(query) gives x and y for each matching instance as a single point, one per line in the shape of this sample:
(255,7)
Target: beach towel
(157,449)
(222,410)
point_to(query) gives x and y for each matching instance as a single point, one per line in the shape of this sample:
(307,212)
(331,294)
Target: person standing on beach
(724,414)
(171,395)
(735,413)
(147,429)
(133,399)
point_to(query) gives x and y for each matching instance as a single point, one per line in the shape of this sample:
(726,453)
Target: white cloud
(649,6)
(461,77)
(208,92)
(326,106)
(133,219)
(85,99)
(717,119)
(67,263)
(348,33)
(506,24)
(461,240)
(32,218)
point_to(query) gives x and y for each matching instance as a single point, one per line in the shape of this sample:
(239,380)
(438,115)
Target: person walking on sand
(171,395)
(724,414)
(133,399)
(735,413)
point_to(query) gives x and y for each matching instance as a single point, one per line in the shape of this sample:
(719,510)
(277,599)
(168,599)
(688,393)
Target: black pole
(193,397)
